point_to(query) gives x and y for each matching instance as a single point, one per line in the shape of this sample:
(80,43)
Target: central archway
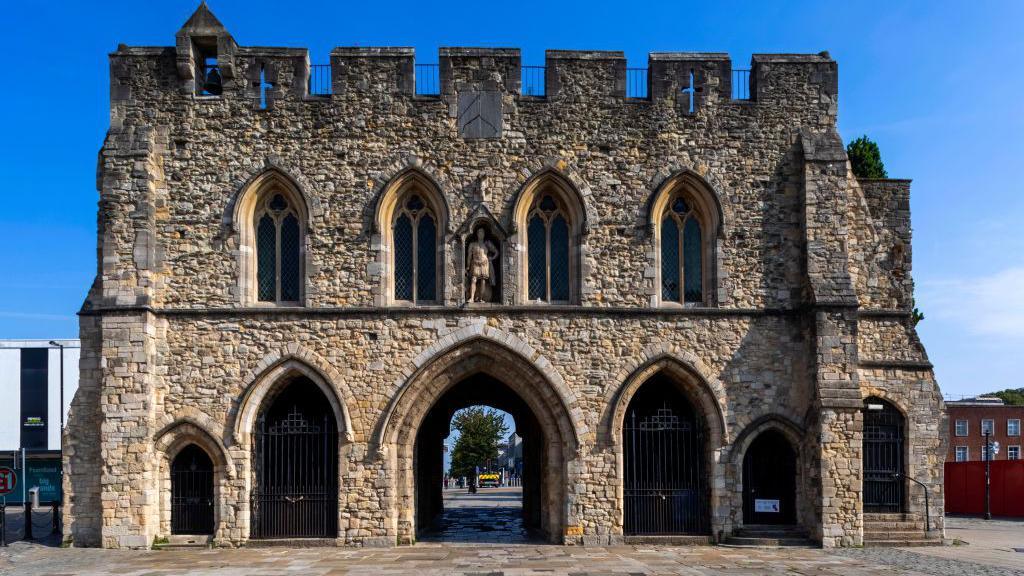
(480,372)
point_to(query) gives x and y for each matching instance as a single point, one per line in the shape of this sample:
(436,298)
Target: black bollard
(55,510)
(28,519)
(3,523)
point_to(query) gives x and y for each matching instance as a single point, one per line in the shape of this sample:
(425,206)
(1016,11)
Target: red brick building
(968,421)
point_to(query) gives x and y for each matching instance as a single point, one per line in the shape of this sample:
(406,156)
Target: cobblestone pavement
(979,557)
(491,515)
(507,560)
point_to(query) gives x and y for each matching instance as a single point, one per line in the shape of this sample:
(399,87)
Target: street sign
(8,480)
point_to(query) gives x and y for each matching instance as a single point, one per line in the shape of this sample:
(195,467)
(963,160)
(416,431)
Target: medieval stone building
(698,317)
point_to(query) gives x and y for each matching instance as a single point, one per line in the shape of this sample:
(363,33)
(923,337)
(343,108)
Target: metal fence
(428,80)
(636,82)
(741,84)
(533,81)
(320,80)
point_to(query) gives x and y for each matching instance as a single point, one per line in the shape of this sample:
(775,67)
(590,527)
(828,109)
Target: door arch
(192,492)
(769,480)
(479,358)
(295,465)
(884,465)
(665,453)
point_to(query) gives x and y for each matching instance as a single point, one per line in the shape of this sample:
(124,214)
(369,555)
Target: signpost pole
(3,522)
(988,475)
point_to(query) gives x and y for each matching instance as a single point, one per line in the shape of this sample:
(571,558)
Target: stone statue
(480,265)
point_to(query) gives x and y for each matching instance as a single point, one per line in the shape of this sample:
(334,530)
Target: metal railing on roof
(320,80)
(741,84)
(428,80)
(533,81)
(636,82)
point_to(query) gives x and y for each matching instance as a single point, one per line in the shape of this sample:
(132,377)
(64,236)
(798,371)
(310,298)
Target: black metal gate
(295,465)
(883,457)
(663,445)
(192,492)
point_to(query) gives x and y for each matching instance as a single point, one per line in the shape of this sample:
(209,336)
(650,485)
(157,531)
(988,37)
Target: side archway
(665,402)
(484,361)
(175,440)
(291,407)
(767,462)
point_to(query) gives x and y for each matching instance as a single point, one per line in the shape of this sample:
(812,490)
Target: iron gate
(295,465)
(192,492)
(664,487)
(883,457)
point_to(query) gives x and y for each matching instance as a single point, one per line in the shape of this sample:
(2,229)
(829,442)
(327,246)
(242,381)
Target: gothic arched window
(682,254)
(278,250)
(414,236)
(549,263)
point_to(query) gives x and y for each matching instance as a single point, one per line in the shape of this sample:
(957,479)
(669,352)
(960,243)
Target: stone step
(750,542)
(746,533)
(896,543)
(900,525)
(896,535)
(293,543)
(891,517)
(185,541)
(676,540)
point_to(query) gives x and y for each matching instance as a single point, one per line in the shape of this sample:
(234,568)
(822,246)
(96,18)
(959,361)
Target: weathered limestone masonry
(805,310)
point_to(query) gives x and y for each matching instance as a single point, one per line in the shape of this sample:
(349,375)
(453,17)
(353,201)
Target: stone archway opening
(505,505)
(769,480)
(295,464)
(666,463)
(481,371)
(192,492)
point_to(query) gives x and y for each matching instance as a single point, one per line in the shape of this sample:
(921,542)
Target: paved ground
(492,515)
(429,559)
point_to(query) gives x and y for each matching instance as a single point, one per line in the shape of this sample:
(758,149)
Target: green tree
(1011,396)
(866,159)
(481,431)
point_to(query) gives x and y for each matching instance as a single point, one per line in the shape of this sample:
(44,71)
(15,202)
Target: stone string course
(805,258)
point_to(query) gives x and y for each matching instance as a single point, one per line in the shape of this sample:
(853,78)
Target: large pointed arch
(481,356)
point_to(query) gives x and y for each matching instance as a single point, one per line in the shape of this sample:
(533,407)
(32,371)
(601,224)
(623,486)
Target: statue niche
(483,266)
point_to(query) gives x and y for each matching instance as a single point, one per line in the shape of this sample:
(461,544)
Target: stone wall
(807,313)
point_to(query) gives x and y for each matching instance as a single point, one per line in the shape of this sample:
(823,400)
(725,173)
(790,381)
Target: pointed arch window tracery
(278,246)
(414,234)
(682,254)
(549,266)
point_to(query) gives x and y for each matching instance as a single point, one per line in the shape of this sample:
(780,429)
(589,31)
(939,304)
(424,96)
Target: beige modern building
(698,317)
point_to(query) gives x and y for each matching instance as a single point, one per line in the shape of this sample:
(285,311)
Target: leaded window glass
(278,251)
(669,259)
(682,255)
(414,235)
(549,262)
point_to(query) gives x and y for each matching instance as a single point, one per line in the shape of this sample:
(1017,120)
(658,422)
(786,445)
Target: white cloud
(990,305)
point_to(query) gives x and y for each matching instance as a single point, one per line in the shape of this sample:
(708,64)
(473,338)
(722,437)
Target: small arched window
(682,254)
(414,234)
(278,250)
(549,265)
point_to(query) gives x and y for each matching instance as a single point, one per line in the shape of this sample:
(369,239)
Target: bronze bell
(213,84)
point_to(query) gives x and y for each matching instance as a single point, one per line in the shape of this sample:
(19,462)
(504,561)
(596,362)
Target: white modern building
(34,401)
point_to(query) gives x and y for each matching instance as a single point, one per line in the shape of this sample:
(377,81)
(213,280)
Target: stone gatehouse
(696,314)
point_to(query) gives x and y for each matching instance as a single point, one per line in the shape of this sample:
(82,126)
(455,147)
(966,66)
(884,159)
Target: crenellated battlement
(207,63)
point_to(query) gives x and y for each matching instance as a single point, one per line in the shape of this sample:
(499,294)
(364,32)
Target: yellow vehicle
(488,480)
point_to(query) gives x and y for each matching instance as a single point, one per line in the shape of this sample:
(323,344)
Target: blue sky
(939,85)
